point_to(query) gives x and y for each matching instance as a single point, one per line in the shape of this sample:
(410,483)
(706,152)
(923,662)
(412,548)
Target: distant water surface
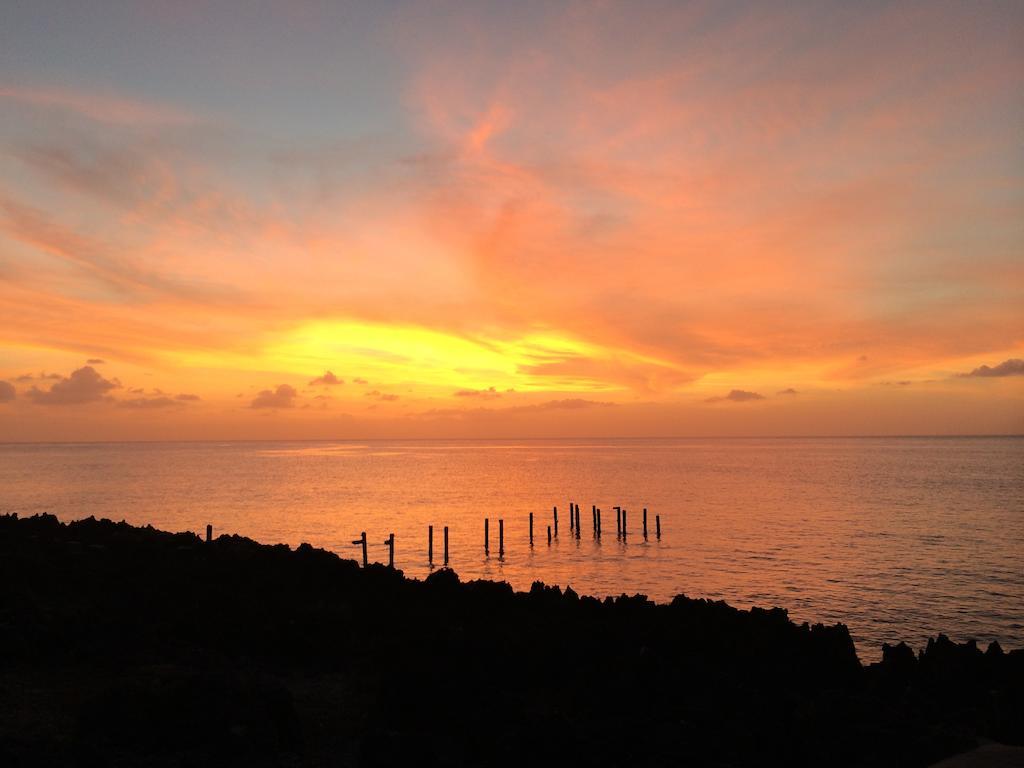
(900,538)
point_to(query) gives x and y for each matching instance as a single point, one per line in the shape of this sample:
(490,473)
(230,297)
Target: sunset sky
(292,220)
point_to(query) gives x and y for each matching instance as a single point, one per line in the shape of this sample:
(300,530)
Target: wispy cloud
(149,403)
(488,393)
(7,392)
(104,261)
(386,397)
(101,107)
(565,404)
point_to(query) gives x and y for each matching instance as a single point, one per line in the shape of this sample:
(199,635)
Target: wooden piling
(645,523)
(209,532)
(501,537)
(599,522)
(578,527)
(362,540)
(618,521)
(430,544)
(391,550)
(657,525)
(487,536)
(549,535)
(446,546)
(554,513)
(531,529)
(623,523)
(571,506)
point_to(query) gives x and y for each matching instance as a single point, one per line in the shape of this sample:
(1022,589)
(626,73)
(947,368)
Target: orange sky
(550,220)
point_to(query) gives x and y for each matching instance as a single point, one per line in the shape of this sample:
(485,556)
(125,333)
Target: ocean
(899,538)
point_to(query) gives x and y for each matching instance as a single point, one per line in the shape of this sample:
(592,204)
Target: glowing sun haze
(510,219)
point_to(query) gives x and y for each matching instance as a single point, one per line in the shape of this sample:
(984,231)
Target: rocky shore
(124,646)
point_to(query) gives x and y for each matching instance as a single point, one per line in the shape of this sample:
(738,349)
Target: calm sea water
(899,538)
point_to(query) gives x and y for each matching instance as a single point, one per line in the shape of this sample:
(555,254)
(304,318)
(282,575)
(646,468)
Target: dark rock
(131,646)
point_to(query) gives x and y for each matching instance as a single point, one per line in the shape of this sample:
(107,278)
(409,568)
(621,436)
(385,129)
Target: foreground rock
(129,646)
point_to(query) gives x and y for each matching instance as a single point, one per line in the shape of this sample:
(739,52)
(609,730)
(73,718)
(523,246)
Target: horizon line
(1009,435)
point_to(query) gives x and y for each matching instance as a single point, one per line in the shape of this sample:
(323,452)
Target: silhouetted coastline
(132,646)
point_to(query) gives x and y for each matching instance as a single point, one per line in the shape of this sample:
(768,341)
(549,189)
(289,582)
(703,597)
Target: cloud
(148,403)
(641,375)
(7,392)
(83,386)
(736,396)
(384,396)
(160,401)
(98,106)
(1012,367)
(282,397)
(328,379)
(788,391)
(584,233)
(106,260)
(95,361)
(490,392)
(41,376)
(567,404)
